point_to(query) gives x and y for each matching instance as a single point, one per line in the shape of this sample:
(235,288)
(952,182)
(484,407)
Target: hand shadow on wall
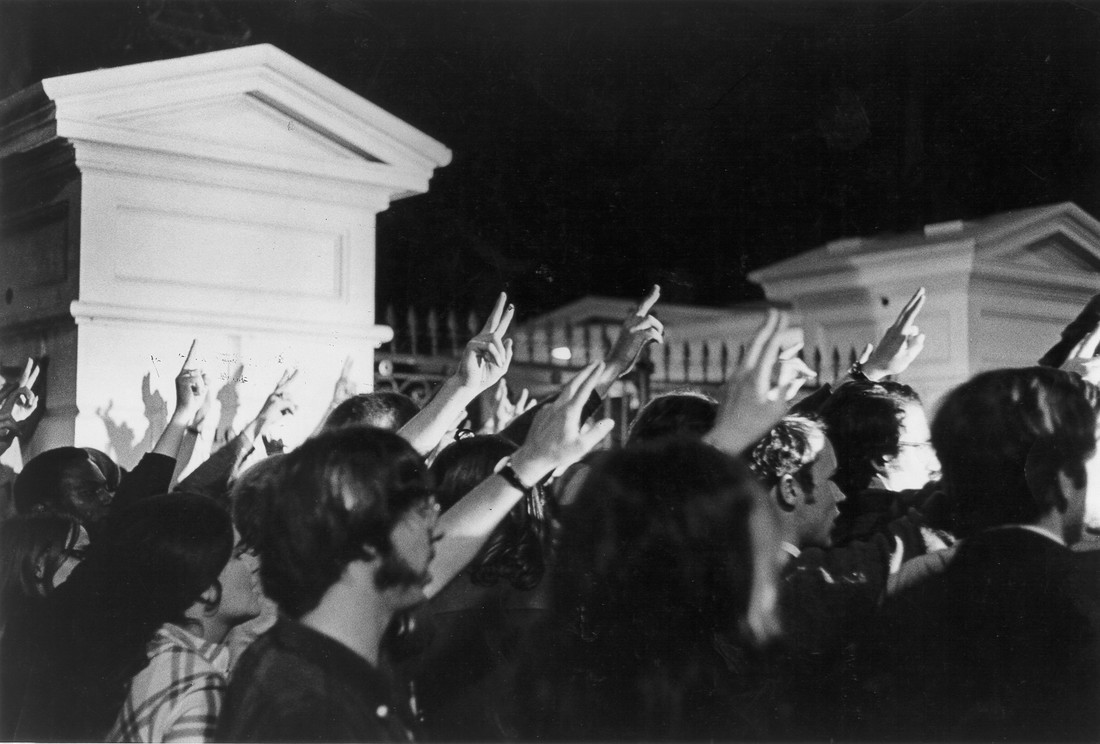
(121,436)
(230,399)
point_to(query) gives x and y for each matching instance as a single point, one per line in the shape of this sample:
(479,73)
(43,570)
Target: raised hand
(488,354)
(1082,359)
(21,402)
(278,404)
(639,329)
(793,372)
(751,404)
(558,437)
(503,410)
(190,389)
(899,345)
(345,388)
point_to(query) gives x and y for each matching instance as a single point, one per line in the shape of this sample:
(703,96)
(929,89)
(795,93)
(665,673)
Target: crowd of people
(774,565)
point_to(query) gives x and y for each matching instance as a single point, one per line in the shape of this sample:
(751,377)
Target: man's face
(239,579)
(916,462)
(407,568)
(817,510)
(86,496)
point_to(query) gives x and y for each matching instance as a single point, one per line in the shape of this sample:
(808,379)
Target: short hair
(515,551)
(786,450)
(681,413)
(864,424)
(27,542)
(337,497)
(986,430)
(250,497)
(384,410)
(38,487)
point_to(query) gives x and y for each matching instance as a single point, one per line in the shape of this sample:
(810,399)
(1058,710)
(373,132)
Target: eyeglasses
(926,443)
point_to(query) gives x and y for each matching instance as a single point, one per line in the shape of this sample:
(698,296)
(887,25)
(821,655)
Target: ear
(880,463)
(788,492)
(40,569)
(1067,492)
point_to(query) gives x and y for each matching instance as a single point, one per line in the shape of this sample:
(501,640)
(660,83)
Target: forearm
(425,430)
(170,441)
(212,477)
(469,523)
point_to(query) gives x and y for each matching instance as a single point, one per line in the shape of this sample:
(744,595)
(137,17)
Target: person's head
(64,481)
(1004,436)
(660,560)
(165,559)
(795,461)
(683,413)
(384,410)
(356,494)
(250,496)
(514,551)
(37,554)
(880,433)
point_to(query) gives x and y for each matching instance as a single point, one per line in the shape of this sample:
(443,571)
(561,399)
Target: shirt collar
(1036,529)
(171,634)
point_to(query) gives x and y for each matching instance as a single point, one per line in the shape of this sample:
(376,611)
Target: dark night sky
(602,146)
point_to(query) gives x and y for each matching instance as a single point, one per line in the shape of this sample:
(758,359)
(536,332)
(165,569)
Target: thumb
(593,433)
(866,353)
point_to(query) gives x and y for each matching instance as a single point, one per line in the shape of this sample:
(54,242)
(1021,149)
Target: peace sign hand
(1082,359)
(488,354)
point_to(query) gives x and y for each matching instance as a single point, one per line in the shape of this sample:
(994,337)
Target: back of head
(788,449)
(383,410)
(156,560)
(250,496)
(657,560)
(864,423)
(986,429)
(514,551)
(685,413)
(336,497)
(39,488)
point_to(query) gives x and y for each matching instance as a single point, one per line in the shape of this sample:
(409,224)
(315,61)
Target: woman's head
(37,554)
(681,413)
(514,551)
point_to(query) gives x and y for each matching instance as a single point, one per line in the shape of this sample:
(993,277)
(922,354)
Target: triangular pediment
(244,121)
(1055,253)
(1060,239)
(253,106)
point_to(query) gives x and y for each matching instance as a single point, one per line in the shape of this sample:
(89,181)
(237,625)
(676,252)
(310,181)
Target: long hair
(32,549)
(515,550)
(655,572)
(155,561)
(864,423)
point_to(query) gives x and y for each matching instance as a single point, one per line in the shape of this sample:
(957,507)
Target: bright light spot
(561,353)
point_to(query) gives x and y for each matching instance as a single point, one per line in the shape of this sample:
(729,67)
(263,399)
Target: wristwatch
(508,473)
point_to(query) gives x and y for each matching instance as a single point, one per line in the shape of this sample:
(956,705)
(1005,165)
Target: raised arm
(751,404)
(484,362)
(900,344)
(344,389)
(1082,359)
(190,393)
(639,330)
(558,438)
(18,406)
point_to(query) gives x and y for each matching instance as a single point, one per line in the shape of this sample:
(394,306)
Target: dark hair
(38,488)
(250,497)
(864,424)
(786,450)
(28,542)
(156,559)
(680,413)
(384,410)
(514,551)
(656,568)
(986,429)
(338,493)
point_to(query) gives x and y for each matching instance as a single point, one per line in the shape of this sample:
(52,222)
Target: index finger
(649,301)
(288,375)
(346,369)
(187,360)
(28,369)
(32,378)
(494,317)
(909,312)
(502,326)
(582,386)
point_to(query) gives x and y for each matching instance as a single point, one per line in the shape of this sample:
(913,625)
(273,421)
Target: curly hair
(32,548)
(515,551)
(336,497)
(657,562)
(786,450)
(864,424)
